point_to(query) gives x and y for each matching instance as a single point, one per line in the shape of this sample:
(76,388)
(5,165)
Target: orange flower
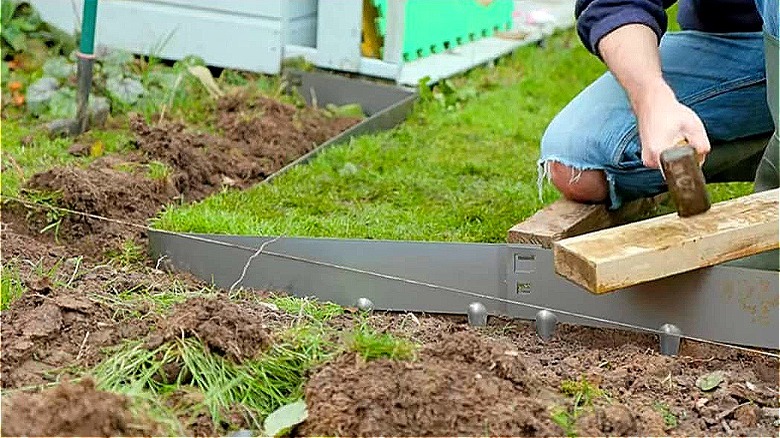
(15,86)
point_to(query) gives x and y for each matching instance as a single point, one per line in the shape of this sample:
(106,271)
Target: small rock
(771,413)
(79,149)
(701,402)
(242,433)
(747,415)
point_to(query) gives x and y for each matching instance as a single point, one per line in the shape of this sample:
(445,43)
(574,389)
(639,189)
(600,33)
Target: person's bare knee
(579,185)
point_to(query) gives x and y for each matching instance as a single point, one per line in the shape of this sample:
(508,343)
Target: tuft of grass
(129,254)
(670,420)
(151,298)
(320,311)
(220,387)
(11,286)
(563,418)
(371,344)
(158,171)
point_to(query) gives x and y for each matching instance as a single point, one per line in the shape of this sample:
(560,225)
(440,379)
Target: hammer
(681,167)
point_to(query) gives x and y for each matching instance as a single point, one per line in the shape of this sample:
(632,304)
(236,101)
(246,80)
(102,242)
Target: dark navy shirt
(596,18)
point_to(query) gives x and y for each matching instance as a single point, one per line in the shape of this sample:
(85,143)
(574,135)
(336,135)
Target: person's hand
(664,123)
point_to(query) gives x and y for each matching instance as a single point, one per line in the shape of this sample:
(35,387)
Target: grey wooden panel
(339,34)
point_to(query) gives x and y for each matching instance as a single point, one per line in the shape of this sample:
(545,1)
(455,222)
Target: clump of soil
(236,331)
(43,331)
(258,137)
(72,410)
(60,319)
(461,385)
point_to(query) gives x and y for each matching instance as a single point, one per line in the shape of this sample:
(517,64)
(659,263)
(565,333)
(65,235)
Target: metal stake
(477,314)
(670,339)
(365,304)
(545,323)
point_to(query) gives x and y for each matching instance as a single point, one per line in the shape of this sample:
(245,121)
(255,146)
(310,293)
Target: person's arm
(625,35)
(631,54)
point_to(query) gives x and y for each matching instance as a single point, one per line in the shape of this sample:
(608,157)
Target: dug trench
(77,304)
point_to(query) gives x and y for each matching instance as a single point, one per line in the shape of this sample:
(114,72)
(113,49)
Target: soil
(256,136)
(502,380)
(72,410)
(237,331)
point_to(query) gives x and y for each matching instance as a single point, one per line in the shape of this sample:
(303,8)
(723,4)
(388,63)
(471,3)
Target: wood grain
(623,256)
(564,218)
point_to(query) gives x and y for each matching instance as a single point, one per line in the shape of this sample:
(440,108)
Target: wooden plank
(643,251)
(564,218)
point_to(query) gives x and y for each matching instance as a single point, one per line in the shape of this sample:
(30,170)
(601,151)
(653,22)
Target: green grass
(670,420)
(11,286)
(27,150)
(319,311)
(464,171)
(371,344)
(582,395)
(216,385)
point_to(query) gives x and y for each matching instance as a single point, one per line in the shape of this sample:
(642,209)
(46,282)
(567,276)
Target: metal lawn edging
(385,105)
(728,304)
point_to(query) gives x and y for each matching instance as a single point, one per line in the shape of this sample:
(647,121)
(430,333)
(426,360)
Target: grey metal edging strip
(723,303)
(387,106)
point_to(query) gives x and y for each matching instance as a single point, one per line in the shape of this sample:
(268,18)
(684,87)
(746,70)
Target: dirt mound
(172,163)
(48,328)
(461,385)
(72,410)
(235,331)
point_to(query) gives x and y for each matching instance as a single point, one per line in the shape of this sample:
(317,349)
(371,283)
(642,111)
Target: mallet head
(685,179)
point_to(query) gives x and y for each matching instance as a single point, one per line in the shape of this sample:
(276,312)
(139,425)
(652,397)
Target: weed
(583,395)
(670,420)
(129,254)
(307,306)
(11,286)
(158,170)
(565,419)
(582,392)
(370,344)
(48,203)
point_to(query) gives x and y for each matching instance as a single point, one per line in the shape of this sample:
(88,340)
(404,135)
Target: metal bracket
(728,304)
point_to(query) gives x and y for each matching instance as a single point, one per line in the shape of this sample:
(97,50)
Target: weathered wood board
(623,256)
(564,218)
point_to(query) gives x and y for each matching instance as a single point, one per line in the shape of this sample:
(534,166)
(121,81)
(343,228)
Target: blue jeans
(721,77)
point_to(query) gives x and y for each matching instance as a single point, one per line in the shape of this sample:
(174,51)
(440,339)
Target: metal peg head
(477,315)
(670,339)
(365,305)
(545,323)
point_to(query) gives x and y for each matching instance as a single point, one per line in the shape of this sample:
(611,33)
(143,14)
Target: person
(714,84)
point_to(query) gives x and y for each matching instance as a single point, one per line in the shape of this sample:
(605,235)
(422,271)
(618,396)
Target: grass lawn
(463,172)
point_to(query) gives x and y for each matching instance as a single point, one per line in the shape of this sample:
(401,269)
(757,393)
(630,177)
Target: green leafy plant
(670,420)
(582,394)
(24,32)
(282,420)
